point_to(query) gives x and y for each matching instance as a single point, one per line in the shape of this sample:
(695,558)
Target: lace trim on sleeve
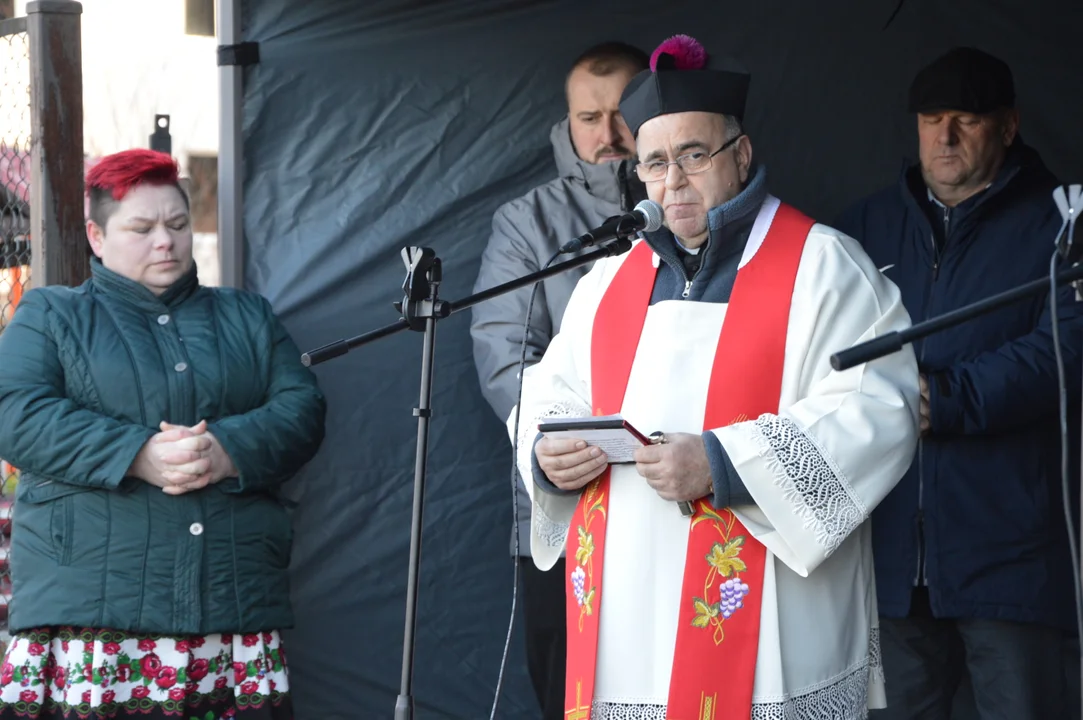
(552,533)
(876,658)
(821,495)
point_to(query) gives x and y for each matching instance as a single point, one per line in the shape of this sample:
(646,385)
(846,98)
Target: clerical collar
(686,250)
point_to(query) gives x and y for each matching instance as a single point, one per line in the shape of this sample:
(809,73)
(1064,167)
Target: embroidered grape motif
(578,579)
(733,592)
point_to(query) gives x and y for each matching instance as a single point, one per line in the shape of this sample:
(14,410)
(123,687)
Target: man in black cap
(737,566)
(972,554)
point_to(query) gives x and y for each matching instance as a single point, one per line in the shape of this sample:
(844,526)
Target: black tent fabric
(371,126)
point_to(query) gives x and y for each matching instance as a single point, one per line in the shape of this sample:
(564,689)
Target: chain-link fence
(15,128)
(14,170)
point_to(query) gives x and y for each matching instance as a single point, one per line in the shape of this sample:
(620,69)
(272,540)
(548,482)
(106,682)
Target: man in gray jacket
(595,158)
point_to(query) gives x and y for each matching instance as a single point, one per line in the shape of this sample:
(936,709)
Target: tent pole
(230,147)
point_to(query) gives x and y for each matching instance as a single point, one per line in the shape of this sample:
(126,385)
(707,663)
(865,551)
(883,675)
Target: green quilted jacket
(86,376)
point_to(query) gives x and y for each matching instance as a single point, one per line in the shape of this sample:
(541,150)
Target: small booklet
(612,433)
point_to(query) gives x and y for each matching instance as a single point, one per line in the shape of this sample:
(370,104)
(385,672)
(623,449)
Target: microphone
(646,216)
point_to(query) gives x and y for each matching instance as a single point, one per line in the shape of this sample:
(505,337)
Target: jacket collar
(117,286)
(608,181)
(1020,159)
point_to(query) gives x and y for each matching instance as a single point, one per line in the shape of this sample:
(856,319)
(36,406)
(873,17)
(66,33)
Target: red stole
(717,640)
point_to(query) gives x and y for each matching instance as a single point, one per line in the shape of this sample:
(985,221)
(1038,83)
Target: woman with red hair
(154,421)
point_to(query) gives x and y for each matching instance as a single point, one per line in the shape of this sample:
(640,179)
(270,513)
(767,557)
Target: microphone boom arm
(445,309)
(894,341)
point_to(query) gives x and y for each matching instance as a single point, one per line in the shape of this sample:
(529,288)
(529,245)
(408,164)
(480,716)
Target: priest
(715,333)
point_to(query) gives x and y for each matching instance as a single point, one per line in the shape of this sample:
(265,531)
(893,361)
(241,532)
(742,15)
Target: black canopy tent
(364,127)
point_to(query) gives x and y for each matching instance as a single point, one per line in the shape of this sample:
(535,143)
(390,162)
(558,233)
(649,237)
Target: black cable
(515,493)
(1062,386)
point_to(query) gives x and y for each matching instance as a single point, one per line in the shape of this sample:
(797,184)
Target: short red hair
(113,177)
(118,173)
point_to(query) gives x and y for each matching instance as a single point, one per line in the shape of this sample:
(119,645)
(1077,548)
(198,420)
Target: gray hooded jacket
(527,232)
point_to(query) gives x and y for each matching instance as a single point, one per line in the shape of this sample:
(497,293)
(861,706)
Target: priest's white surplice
(815,470)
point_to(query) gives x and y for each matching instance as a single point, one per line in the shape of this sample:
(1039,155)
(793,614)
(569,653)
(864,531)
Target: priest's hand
(677,469)
(568,463)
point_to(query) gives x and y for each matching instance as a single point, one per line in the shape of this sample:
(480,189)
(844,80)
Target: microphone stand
(420,309)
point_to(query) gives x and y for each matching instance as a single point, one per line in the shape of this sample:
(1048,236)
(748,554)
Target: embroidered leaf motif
(588,603)
(595,501)
(586,546)
(725,560)
(588,495)
(707,513)
(704,613)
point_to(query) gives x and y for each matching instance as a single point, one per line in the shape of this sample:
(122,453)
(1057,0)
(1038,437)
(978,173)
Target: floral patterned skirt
(68,673)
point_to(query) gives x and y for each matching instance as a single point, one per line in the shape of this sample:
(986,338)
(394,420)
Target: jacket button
(196,529)
(163,319)
(180,367)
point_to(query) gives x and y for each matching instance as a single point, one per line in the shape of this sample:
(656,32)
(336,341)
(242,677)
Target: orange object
(16,293)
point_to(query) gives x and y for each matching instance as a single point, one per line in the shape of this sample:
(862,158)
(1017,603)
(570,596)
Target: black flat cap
(682,80)
(963,79)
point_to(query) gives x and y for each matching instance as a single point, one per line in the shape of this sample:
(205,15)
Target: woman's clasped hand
(181,459)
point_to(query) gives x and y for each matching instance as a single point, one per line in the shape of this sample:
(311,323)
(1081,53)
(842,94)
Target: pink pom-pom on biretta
(686,51)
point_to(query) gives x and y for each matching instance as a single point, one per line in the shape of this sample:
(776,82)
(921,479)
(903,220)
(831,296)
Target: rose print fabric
(66,673)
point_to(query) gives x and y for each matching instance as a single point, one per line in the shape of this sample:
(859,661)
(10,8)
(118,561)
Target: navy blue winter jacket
(980,513)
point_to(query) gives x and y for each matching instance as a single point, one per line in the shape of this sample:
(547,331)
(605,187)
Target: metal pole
(404,703)
(230,153)
(60,254)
